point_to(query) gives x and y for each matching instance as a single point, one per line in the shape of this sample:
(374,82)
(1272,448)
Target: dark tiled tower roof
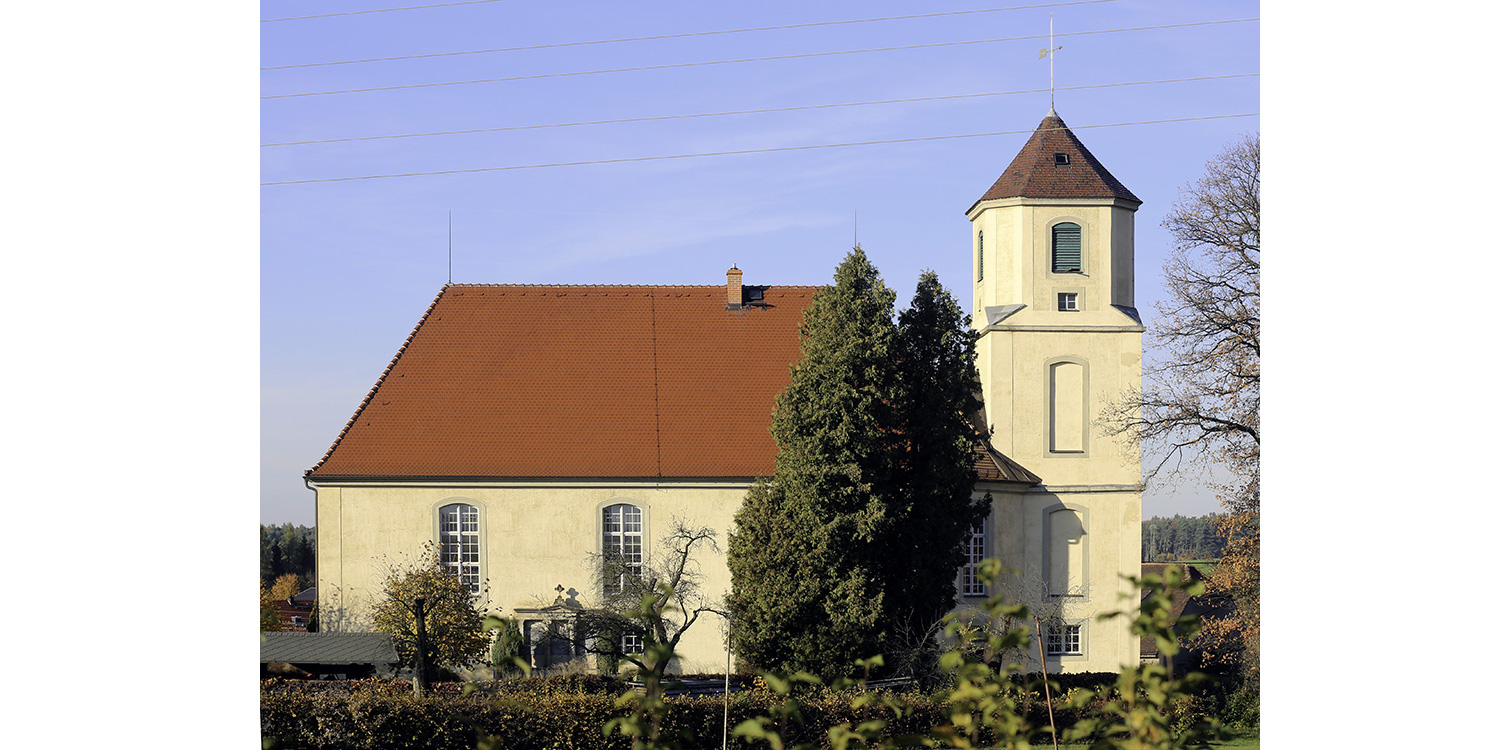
(1036,173)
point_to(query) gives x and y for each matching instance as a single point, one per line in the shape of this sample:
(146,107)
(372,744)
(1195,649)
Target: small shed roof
(327,648)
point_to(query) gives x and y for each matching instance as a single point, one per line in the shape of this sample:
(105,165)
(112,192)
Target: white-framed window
(971,584)
(622,543)
(1067,248)
(1067,301)
(1064,639)
(632,643)
(458,543)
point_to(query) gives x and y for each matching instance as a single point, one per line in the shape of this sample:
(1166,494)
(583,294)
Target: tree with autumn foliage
(1200,401)
(452,623)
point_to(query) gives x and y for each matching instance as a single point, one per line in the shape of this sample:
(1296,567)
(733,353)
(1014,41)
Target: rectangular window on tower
(1064,639)
(1067,301)
(972,584)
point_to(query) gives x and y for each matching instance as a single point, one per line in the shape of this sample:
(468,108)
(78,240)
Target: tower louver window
(1067,248)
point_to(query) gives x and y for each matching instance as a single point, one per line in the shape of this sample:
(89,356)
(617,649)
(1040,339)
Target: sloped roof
(1035,173)
(579,381)
(994,466)
(327,648)
(1179,598)
(522,381)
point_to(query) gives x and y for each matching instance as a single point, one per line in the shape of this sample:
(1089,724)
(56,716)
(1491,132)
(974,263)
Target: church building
(524,430)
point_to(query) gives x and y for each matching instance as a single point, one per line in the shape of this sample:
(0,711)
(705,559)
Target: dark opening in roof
(1060,159)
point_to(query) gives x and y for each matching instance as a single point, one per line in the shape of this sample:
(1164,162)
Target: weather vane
(1050,53)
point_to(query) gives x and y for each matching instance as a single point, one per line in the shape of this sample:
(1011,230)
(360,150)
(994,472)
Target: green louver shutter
(1067,248)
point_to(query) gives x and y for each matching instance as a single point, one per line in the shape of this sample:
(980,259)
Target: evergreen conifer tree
(858,534)
(935,510)
(804,557)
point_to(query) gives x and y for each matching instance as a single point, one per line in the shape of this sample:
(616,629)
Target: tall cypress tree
(858,534)
(805,555)
(937,407)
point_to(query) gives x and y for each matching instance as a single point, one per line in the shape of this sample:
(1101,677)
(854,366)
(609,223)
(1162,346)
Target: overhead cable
(752,111)
(749,151)
(750,59)
(682,35)
(378,10)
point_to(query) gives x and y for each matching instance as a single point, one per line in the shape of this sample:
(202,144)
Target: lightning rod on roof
(450,247)
(1051,54)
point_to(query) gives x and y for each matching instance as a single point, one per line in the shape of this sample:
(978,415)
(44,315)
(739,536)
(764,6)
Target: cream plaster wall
(1018,538)
(534,538)
(1016,352)
(1099,479)
(1017,247)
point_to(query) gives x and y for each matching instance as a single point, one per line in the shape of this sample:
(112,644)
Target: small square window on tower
(1060,159)
(1067,301)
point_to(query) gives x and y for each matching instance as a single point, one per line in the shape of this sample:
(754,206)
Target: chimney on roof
(736,296)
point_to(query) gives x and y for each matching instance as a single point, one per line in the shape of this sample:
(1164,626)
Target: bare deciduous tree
(1202,390)
(645,609)
(1200,401)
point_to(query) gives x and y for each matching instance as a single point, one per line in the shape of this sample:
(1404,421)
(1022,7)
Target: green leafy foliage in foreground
(987,705)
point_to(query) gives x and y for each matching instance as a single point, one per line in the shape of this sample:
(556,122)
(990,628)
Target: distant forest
(1181,538)
(287,549)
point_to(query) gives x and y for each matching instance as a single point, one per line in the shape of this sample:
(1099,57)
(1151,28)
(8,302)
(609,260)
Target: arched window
(622,545)
(458,543)
(1067,248)
(980,277)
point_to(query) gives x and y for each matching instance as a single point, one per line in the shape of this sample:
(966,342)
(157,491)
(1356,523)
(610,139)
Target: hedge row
(369,715)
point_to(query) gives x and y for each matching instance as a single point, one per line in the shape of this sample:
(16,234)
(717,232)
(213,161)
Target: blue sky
(347,267)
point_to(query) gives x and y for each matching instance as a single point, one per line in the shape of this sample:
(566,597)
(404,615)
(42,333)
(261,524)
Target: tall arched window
(458,543)
(622,545)
(980,276)
(1067,248)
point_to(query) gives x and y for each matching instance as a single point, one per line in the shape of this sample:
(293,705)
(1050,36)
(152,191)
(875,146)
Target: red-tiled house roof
(1182,603)
(1036,173)
(521,381)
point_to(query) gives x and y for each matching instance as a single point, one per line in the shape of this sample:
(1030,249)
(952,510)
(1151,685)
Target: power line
(378,10)
(750,59)
(748,151)
(750,111)
(680,36)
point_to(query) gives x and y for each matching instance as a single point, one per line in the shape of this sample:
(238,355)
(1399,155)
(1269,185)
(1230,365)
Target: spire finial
(1051,54)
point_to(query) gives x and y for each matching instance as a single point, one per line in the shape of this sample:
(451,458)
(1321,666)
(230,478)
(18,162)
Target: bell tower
(1054,303)
(1059,340)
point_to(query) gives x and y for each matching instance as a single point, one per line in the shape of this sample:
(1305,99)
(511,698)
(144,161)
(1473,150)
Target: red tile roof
(1034,172)
(579,381)
(525,381)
